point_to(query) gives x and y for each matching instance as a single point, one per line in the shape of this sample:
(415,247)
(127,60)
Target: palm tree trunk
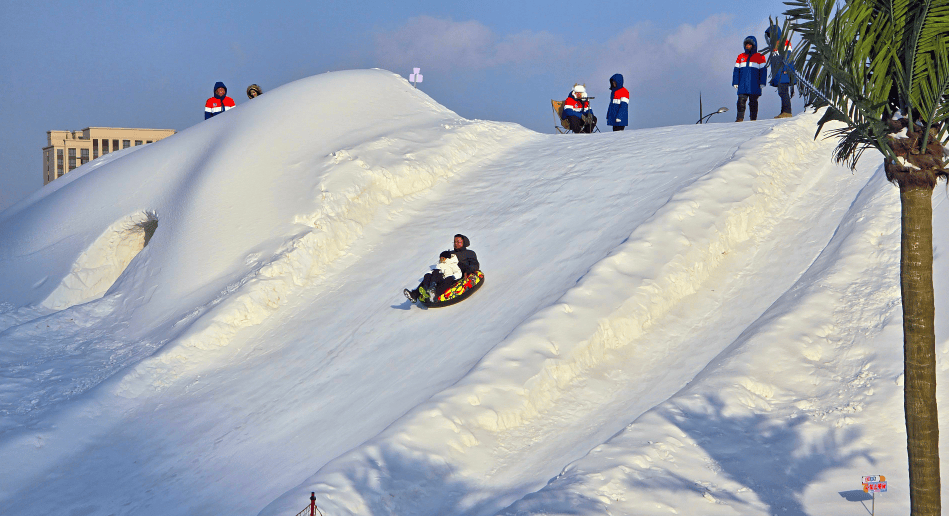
(919,349)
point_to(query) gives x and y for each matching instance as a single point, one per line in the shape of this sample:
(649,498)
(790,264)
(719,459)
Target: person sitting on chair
(577,111)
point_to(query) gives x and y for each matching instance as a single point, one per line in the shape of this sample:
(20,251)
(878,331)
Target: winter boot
(784,115)
(740,119)
(412,295)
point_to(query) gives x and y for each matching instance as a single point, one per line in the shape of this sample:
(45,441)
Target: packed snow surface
(685,320)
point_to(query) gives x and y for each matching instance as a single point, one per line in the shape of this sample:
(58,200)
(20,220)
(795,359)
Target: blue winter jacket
(751,70)
(781,72)
(618,112)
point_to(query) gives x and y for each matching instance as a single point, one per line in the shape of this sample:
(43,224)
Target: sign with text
(874,484)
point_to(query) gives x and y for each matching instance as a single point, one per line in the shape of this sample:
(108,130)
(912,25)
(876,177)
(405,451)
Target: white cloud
(641,52)
(443,44)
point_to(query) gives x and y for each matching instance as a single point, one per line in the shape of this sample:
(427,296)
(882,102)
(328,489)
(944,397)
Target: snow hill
(685,320)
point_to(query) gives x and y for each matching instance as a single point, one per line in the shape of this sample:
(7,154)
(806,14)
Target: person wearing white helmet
(577,111)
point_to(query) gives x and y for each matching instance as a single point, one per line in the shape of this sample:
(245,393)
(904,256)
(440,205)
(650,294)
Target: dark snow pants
(577,125)
(441,284)
(784,91)
(752,104)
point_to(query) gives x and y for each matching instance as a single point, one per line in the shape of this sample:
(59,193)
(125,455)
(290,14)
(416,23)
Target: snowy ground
(687,320)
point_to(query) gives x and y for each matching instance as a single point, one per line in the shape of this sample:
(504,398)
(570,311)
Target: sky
(71,65)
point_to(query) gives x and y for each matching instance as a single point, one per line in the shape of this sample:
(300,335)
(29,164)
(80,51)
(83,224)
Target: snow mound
(673,315)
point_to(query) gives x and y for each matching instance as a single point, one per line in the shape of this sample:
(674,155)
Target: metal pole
(873,504)
(312,503)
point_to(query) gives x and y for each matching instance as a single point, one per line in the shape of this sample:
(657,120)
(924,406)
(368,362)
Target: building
(66,150)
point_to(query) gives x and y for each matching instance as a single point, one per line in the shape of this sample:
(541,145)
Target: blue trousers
(784,91)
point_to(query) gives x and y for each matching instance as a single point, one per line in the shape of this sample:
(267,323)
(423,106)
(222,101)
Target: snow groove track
(564,371)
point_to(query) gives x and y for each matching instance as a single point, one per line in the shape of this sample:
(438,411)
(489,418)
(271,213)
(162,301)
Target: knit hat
(445,254)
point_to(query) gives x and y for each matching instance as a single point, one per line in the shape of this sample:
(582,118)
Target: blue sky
(71,65)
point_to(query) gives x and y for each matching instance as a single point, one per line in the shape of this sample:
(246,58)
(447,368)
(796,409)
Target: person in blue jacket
(618,113)
(749,77)
(782,74)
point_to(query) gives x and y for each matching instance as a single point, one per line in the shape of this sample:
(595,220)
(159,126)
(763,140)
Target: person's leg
(753,106)
(444,285)
(426,281)
(784,91)
(741,108)
(619,127)
(576,125)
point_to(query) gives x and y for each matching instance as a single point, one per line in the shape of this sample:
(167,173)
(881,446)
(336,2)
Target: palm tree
(882,69)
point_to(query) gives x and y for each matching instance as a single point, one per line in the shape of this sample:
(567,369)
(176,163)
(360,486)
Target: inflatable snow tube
(459,291)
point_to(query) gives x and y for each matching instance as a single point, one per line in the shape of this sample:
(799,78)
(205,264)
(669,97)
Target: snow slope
(699,319)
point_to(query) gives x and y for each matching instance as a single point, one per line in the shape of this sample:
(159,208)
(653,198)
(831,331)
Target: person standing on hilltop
(219,103)
(782,73)
(749,77)
(617,115)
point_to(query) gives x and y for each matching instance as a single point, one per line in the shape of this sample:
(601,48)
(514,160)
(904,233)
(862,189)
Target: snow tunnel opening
(98,268)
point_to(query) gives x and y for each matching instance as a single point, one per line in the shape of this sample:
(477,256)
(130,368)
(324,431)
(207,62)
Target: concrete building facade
(66,150)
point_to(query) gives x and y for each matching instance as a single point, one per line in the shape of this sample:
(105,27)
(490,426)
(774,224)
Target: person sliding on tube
(453,265)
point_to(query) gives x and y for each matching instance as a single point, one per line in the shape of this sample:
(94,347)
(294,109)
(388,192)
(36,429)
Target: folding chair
(562,126)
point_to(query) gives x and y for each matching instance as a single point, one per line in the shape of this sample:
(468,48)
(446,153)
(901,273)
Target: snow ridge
(513,389)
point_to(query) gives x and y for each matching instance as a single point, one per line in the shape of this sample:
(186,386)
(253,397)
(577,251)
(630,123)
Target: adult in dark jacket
(467,259)
(749,77)
(782,74)
(617,115)
(219,103)
(433,281)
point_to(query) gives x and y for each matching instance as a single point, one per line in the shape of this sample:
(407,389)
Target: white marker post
(873,484)
(415,77)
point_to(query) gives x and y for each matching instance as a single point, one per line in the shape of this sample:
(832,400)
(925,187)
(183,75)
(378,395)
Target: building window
(115,145)
(83,156)
(59,161)
(138,142)
(72,159)
(149,141)
(105,147)
(95,149)
(126,144)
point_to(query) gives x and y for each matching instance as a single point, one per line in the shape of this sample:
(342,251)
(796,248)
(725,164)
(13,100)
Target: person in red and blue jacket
(782,73)
(750,77)
(219,103)
(577,111)
(617,115)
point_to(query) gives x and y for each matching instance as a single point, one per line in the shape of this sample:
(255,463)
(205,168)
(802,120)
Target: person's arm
(762,71)
(736,71)
(622,111)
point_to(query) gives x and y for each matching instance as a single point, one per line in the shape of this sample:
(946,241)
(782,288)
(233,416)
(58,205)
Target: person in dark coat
(749,77)
(617,115)
(219,103)
(434,281)
(467,259)
(782,74)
